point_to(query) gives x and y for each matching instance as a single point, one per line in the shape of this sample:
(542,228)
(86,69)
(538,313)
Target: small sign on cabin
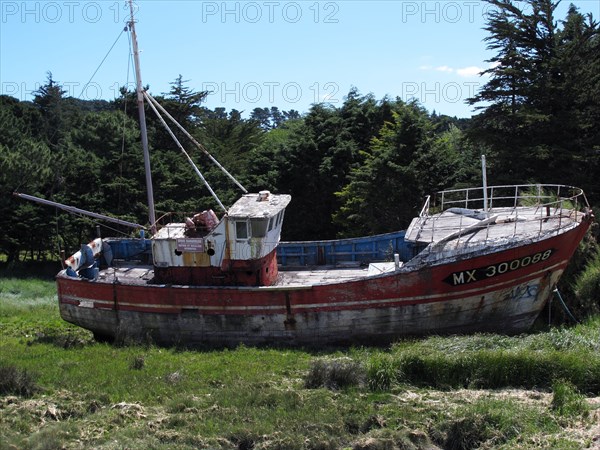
(190,245)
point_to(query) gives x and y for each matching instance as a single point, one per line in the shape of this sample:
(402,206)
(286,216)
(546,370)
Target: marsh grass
(492,422)
(568,401)
(493,361)
(138,362)
(71,391)
(339,373)
(27,290)
(382,372)
(17,382)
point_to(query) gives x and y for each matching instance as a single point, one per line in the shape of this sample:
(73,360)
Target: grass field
(61,389)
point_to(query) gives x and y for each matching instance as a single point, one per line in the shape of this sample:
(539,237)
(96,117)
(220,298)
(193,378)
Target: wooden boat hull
(503,291)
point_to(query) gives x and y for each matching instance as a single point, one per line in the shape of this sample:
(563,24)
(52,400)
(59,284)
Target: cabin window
(271,222)
(241,230)
(259,227)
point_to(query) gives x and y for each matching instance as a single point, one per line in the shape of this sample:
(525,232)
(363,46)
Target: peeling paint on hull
(375,309)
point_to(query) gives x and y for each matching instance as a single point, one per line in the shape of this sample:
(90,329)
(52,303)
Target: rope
(564,305)
(101,62)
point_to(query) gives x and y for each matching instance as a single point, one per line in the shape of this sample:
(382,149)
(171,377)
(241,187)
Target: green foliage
(183,103)
(579,283)
(351,163)
(272,118)
(25,165)
(314,164)
(49,100)
(386,185)
(268,157)
(540,97)
(405,161)
(567,401)
(587,286)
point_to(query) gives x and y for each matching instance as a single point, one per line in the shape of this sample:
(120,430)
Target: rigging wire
(88,220)
(200,146)
(151,104)
(58,238)
(113,229)
(101,62)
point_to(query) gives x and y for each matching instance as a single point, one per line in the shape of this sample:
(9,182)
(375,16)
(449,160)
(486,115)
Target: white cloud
(465,72)
(471,71)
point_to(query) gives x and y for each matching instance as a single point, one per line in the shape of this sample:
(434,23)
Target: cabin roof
(251,207)
(173,230)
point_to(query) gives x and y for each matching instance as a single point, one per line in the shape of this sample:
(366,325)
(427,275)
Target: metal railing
(540,195)
(514,203)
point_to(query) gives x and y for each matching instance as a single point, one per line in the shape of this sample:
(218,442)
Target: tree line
(359,168)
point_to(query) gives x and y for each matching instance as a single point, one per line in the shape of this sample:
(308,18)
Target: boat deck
(500,223)
(308,277)
(143,275)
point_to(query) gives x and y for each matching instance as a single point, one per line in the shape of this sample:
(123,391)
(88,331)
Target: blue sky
(250,54)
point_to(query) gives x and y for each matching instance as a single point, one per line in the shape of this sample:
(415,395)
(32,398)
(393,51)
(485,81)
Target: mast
(143,131)
(485,188)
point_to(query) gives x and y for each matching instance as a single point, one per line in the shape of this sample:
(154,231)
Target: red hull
(502,291)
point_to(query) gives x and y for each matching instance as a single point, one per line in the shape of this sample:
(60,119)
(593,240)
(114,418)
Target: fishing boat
(465,269)
(483,259)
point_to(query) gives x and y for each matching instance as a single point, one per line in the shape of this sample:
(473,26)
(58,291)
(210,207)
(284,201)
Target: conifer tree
(542,95)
